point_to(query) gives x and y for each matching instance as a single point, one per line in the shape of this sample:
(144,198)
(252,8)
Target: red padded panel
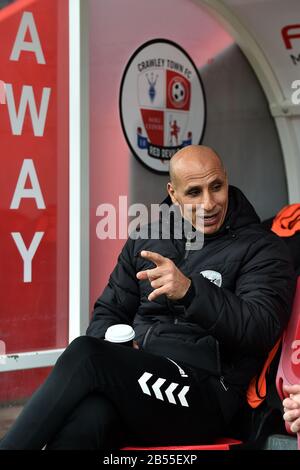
(289,364)
(219,444)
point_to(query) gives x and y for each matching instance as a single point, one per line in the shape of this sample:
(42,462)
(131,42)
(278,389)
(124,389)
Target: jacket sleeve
(251,318)
(120,298)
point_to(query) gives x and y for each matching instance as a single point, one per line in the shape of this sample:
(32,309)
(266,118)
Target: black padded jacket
(237,307)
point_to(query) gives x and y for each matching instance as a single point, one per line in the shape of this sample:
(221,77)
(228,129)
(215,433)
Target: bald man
(197,176)
(205,320)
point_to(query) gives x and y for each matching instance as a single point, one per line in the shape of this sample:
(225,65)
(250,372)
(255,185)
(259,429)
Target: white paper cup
(121,334)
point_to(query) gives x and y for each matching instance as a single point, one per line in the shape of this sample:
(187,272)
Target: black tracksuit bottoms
(104,396)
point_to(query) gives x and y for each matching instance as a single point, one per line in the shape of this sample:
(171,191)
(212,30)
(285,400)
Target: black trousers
(103,396)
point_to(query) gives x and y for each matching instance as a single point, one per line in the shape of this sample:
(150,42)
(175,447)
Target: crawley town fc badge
(162,104)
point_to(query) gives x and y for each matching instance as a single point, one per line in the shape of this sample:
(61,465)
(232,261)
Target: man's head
(197,176)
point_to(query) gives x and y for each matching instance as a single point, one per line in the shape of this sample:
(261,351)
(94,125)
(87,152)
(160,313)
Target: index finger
(291,388)
(154,257)
(290,404)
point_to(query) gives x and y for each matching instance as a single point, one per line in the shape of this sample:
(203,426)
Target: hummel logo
(169,392)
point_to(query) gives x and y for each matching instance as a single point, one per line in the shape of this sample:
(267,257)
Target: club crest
(162,104)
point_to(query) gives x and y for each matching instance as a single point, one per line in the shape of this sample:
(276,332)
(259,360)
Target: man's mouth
(211,219)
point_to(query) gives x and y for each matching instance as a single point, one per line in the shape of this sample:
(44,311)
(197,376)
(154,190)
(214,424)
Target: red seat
(289,363)
(219,444)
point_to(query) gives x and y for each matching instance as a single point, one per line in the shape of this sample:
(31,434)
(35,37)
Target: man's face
(206,185)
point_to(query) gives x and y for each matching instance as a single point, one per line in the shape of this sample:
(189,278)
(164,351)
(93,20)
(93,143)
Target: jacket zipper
(181,371)
(147,336)
(187,246)
(222,381)
(218,357)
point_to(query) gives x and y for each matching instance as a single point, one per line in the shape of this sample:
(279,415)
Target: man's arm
(252,317)
(120,298)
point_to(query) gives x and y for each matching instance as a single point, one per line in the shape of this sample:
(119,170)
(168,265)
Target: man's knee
(81,347)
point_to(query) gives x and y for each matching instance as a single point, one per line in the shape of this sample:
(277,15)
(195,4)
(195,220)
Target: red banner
(34,175)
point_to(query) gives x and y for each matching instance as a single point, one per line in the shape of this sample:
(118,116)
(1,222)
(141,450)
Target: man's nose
(208,202)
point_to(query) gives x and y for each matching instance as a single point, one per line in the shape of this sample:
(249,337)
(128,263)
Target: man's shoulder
(257,231)
(260,238)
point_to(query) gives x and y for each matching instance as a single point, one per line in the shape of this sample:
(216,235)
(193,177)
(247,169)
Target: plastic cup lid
(119,333)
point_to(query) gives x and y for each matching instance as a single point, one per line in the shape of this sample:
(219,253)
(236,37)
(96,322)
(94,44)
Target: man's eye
(217,187)
(193,193)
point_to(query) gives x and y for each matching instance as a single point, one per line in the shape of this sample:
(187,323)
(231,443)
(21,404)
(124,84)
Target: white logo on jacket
(213,276)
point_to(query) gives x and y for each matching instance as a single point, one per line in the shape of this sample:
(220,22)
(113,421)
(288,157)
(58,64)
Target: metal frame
(78,193)
(79,169)
(29,360)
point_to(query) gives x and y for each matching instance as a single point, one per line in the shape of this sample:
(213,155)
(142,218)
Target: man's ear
(226,177)
(171,192)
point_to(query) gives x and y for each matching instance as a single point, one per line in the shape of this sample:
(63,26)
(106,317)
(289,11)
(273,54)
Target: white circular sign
(162,103)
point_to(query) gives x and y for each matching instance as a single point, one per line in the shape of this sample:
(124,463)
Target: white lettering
(28,170)
(296,354)
(27,98)
(296,94)
(2,92)
(27,255)
(27,23)
(137,226)
(109,222)
(123,217)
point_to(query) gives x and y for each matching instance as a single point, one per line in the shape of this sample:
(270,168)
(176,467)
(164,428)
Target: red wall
(34,307)
(117,29)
